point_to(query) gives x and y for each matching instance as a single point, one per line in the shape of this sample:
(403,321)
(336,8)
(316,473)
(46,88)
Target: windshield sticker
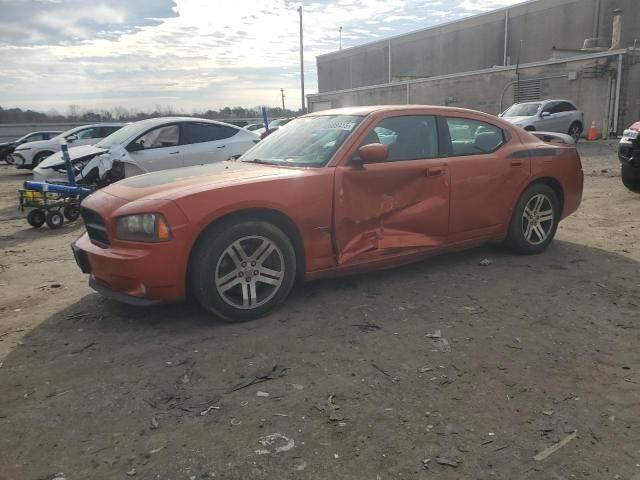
(338,124)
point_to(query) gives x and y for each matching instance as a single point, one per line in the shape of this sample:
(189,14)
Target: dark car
(629,156)
(7,148)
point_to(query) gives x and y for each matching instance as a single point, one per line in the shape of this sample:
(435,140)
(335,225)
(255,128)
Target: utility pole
(282,92)
(340,30)
(301,64)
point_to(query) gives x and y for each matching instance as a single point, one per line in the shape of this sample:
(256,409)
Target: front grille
(95,226)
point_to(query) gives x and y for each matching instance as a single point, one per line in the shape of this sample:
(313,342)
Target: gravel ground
(440,370)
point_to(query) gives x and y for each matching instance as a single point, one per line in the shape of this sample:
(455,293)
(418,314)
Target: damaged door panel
(400,204)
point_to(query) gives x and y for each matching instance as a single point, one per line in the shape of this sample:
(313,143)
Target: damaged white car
(148,146)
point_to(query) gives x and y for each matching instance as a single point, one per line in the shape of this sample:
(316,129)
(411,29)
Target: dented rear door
(401,204)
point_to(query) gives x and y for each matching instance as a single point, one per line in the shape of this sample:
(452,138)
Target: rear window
(472,137)
(207,132)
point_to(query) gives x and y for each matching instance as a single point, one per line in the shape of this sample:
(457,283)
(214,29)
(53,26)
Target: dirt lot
(533,350)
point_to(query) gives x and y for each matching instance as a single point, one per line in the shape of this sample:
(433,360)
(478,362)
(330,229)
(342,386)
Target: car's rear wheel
(575,130)
(39,158)
(9,159)
(240,270)
(535,220)
(631,178)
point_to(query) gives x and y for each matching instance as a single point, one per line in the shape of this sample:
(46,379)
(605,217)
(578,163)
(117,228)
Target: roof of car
(546,100)
(367,110)
(161,120)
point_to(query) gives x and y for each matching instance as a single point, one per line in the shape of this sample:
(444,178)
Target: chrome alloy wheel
(537,219)
(249,272)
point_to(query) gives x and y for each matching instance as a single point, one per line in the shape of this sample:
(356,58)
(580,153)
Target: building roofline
(432,27)
(553,61)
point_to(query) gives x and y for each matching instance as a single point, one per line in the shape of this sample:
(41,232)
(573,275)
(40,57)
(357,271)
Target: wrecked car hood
(75,153)
(175,183)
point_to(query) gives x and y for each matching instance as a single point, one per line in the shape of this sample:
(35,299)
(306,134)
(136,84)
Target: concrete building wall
(492,91)
(534,28)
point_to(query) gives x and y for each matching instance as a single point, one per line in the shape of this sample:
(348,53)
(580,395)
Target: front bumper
(629,154)
(19,161)
(139,276)
(48,175)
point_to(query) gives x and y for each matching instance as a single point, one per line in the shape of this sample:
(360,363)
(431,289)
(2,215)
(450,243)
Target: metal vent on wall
(527,91)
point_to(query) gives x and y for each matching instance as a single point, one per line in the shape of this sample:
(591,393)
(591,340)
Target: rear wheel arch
(275,217)
(555,185)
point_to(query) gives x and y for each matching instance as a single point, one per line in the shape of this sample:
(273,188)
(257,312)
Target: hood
(75,153)
(635,126)
(178,182)
(38,144)
(516,120)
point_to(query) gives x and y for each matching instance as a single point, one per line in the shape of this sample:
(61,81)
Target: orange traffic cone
(592,134)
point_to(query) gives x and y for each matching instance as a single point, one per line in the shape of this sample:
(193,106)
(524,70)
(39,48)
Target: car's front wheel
(575,130)
(242,269)
(39,158)
(535,220)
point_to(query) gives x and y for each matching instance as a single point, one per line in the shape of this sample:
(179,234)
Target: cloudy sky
(192,55)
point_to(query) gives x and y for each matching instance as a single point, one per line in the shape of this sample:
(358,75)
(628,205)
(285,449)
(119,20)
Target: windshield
(522,110)
(119,136)
(309,141)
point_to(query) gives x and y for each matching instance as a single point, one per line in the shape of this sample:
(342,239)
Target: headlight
(144,227)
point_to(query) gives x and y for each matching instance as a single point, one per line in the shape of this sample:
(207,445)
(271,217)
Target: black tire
(210,259)
(523,236)
(71,212)
(575,130)
(9,159)
(36,218)
(39,158)
(55,220)
(631,178)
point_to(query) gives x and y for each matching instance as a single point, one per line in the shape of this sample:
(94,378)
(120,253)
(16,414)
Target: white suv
(148,146)
(29,155)
(560,116)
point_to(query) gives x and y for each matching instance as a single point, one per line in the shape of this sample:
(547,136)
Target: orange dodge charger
(330,193)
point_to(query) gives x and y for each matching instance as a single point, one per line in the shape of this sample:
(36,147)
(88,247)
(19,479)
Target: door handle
(221,146)
(434,171)
(516,163)
(174,153)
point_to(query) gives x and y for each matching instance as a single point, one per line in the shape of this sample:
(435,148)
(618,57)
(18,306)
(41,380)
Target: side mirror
(71,138)
(545,114)
(373,153)
(134,147)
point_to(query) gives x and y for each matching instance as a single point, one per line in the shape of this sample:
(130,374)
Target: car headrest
(487,141)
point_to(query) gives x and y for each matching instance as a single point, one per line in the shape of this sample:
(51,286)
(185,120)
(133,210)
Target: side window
(472,137)
(564,107)
(35,137)
(550,107)
(93,132)
(207,132)
(410,137)
(167,136)
(106,131)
